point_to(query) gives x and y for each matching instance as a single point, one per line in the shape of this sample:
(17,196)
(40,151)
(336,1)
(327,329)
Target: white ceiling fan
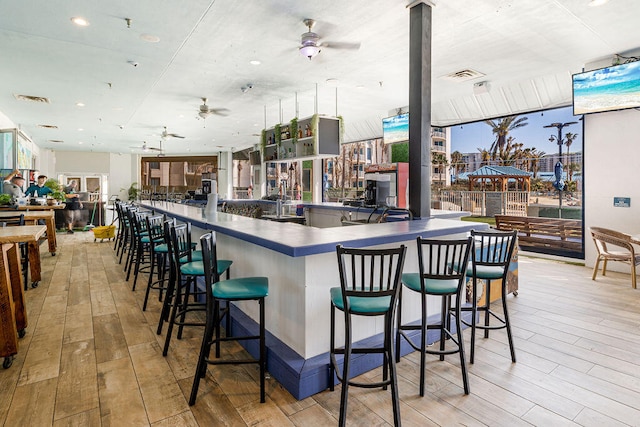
(310,42)
(206,111)
(166,134)
(146,148)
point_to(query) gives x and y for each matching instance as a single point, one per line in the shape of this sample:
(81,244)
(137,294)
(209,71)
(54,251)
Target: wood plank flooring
(91,357)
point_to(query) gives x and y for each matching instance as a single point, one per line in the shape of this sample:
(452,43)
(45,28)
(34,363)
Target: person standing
(38,189)
(13,184)
(73,204)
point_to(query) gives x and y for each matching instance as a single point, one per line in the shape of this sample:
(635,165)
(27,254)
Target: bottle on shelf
(307,130)
(299,132)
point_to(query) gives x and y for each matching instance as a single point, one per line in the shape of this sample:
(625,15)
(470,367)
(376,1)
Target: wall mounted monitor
(607,89)
(395,129)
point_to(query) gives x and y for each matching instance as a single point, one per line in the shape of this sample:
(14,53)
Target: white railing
(482,203)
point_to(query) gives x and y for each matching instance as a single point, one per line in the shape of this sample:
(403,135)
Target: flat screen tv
(607,89)
(395,128)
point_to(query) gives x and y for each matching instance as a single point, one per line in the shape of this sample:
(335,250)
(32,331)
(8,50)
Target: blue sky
(469,137)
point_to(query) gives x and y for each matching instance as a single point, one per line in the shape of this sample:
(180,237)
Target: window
(154,165)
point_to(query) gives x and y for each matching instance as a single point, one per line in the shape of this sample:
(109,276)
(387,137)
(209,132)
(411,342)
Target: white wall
(122,169)
(611,169)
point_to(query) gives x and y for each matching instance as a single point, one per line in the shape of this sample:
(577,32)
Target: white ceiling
(526,49)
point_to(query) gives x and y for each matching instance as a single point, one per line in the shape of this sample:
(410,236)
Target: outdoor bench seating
(549,235)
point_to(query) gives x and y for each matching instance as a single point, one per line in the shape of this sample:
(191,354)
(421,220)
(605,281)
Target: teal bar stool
(183,283)
(158,227)
(442,267)
(369,286)
(240,289)
(490,261)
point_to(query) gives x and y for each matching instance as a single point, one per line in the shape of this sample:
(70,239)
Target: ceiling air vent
(48,126)
(56,141)
(29,98)
(463,75)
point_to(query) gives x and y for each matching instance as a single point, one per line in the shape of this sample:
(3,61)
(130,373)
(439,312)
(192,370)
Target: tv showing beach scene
(395,128)
(607,89)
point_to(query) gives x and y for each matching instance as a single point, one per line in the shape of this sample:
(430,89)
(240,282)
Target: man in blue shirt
(38,189)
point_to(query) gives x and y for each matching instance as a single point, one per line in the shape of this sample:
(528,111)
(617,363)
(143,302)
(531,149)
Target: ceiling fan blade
(219,111)
(340,45)
(173,135)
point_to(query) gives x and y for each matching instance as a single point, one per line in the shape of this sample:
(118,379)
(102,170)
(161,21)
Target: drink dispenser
(377,189)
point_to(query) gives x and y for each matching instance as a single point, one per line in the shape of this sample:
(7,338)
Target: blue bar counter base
(303,378)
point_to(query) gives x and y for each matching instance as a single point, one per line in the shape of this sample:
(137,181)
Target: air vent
(56,141)
(48,126)
(463,75)
(29,98)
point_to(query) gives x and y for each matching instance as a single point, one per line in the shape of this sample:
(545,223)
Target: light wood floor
(91,357)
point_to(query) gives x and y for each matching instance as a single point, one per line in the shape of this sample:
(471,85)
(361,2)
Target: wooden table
(32,217)
(13,314)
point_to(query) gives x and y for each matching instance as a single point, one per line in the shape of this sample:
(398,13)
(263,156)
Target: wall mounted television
(607,89)
(395,128)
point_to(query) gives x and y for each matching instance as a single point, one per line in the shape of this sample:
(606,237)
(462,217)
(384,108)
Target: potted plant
(56,197)
(293,125)
(5,199)
(133,191)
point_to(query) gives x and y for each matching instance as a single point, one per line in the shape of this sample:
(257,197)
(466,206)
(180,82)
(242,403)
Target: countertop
(297,240)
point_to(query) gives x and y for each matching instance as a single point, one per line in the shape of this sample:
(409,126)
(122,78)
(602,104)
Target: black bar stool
(240,289)
(194,258)
(159,250)
(369,286)
(185,279)
(442,267)
(490,261)
(139,260)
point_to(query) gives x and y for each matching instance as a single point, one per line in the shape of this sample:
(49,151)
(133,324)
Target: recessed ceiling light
(594,3)
(118,108)
(80,129)
(79,104)
(150,38)
(360,87)
(255,62)
(80,142)
(78,20)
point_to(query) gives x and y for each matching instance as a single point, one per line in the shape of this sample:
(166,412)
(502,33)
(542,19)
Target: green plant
(58,195)
(133,191)
(277,134)
(5,199)
(314,124)
(53,184)
(263,140)
(293,126)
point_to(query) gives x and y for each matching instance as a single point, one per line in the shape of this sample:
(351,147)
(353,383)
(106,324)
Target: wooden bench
(549,235)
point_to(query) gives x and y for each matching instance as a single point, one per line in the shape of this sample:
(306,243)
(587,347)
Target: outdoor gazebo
(498,177)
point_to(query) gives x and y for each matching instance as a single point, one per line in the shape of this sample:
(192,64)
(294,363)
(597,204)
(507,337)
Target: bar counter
(301,265)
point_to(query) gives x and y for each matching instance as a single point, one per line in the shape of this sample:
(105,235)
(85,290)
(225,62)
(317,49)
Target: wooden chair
(614,246)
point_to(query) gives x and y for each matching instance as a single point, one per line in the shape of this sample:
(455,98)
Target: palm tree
(484,156)
(456,162)
(440,160)
(568,140)
(511,152)
(534,157)
(501,129)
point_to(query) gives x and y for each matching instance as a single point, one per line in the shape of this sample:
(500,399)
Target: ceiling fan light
(309,51)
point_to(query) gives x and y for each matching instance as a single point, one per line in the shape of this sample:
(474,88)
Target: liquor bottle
(308,130)
(299,132)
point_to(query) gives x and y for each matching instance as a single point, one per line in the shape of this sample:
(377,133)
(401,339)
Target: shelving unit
(318,136)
